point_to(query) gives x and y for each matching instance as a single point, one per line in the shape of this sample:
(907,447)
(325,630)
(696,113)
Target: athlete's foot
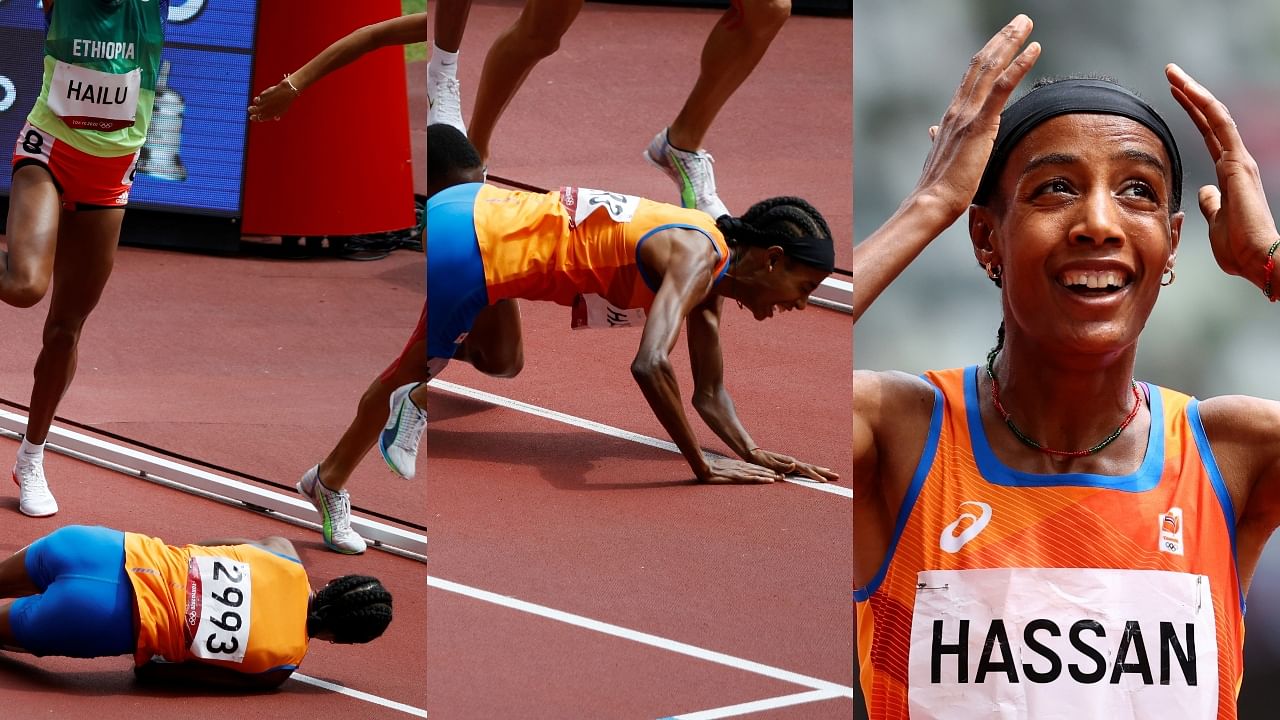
(35,499)
(335,511)
(692,173)
(403,432)
(444,102)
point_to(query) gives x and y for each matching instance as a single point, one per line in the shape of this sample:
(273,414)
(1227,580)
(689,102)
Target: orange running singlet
(237,606)
(1007,594)
(557,245)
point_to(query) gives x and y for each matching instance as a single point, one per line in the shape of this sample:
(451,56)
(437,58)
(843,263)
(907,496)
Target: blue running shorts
(85,607)
(456,290)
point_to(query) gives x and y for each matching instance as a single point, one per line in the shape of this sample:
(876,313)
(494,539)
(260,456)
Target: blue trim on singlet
(1219,487)
(1146,477)
(913,491)
(650,282)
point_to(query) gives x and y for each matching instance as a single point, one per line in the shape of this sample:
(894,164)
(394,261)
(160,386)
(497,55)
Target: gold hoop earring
(994,273)
(1172,277)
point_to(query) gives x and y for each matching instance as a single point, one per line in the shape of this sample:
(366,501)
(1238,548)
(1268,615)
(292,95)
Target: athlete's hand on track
(788,465)
(272,103)
(725,470)
(1241,228)
(962,143)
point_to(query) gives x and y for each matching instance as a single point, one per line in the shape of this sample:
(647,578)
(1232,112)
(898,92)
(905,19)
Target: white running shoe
(335,510)
(35,499)
(691,172)
(444,101)
(403,432)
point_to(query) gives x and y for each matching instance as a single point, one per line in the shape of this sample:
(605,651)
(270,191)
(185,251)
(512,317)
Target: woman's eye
(1055,186)
(1141,190)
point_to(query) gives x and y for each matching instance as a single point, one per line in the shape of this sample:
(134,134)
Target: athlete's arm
(273,543)
(404,30)
(715,407)
(891,415)
(1244,432)
(953,168)
(686,265)
(168,674)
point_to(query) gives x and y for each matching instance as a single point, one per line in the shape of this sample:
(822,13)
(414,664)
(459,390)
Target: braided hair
(353,608)
(448,152)
(787,222)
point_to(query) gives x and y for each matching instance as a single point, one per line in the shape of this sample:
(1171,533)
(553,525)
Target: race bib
(1063,644)
(89,99)
(581,202)
(219,594)
(593,311)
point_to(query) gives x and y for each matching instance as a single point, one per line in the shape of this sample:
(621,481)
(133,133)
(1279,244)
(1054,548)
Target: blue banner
(193,160)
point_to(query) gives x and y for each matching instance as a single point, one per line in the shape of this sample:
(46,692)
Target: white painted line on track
(832,689)
(367,697)
(756,706)
(603,429)
(194,480)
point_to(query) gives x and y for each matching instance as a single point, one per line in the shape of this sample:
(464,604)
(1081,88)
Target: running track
(577,571)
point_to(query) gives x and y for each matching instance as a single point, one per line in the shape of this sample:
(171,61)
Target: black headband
(1068,97)
(814,251)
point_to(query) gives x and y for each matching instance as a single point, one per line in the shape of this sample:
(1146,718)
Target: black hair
(788,222)
(353,608)
(448,152)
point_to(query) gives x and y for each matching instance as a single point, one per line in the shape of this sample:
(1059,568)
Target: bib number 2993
(219,604)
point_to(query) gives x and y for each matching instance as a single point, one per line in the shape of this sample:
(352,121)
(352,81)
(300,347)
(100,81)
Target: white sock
(30,453)
(443,63)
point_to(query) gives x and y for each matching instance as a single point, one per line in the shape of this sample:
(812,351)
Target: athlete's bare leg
(371,416)
(535,35)
(14,583)
(32,231)
(451,23)
(734,48)
(495,343)
(86,251)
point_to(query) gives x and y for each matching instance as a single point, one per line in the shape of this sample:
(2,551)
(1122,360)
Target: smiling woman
(1054,468)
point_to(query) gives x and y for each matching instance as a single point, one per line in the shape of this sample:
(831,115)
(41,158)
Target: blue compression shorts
(85,605)
(456,291)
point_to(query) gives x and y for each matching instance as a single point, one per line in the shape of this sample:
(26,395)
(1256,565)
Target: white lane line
(376,700)
(756,706)
(833,689)
(603,429)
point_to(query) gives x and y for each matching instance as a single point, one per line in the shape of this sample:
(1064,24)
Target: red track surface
(253,364)
(610,529)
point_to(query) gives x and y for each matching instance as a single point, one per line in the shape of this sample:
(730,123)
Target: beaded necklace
(1004,414)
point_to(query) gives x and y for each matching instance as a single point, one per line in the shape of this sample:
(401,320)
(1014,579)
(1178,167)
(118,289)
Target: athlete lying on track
(609,255)
(234,613)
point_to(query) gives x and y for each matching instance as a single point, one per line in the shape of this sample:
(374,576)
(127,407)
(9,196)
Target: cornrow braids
(787,222)
(353,608)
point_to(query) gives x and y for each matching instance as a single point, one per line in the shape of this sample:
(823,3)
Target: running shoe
(444,102)
(335,510)
(691,172)
(400,438)
(35,499)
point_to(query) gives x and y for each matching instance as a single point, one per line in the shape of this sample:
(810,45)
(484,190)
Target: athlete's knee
(25,289)
(502,365)
(765,16)
(63,333)
(537,42)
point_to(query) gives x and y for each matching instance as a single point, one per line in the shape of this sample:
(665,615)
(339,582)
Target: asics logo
(966,527)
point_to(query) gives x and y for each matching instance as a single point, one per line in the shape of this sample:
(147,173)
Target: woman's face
(1081,227)
(780,283)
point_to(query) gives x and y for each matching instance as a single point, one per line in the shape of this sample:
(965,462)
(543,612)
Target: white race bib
(581,202)
(89,99)
(593,311)
(1063,644)
(219,595)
